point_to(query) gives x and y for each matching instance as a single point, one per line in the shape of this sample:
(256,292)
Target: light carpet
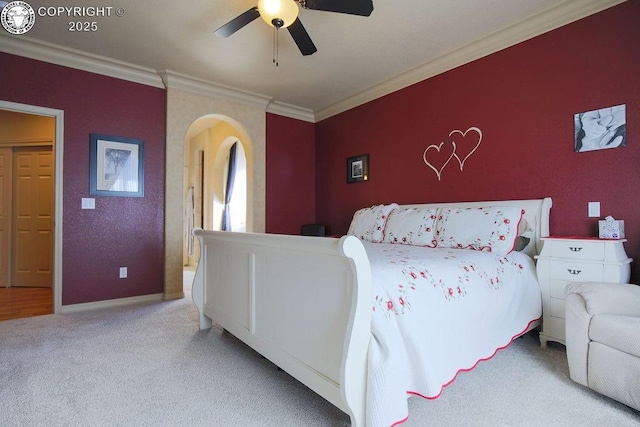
(149,365)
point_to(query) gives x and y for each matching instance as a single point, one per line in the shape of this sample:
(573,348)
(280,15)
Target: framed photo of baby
(600,129)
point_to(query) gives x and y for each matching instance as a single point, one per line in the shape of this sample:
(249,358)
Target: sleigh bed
(410,297)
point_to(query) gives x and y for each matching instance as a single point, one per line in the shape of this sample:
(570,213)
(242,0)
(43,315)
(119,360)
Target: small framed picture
(116,166)
(600,129)
(358,169)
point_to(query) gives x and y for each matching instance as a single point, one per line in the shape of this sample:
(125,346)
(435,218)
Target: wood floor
(25,302)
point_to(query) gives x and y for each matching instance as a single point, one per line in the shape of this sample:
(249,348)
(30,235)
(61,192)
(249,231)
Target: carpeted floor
(149,365)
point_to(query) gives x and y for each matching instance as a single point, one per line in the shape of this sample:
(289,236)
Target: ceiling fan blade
(353,7)
(301,37)
(238,22)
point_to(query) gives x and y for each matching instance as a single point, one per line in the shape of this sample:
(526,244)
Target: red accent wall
(523,99)
(120,231)
(290,197)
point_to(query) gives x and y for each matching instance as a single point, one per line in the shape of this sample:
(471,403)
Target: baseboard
(73,308)
(172,296)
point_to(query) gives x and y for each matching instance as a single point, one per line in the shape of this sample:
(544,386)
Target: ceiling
(358,58)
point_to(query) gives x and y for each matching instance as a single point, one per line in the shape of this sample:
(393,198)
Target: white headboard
(536,212)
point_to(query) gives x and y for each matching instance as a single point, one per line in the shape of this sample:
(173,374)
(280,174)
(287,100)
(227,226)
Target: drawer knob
(574,272)
(574,249)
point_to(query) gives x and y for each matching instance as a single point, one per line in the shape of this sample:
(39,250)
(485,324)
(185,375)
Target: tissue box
(611,229)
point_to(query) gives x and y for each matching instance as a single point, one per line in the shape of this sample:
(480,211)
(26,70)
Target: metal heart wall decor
(457,145)
(438,156)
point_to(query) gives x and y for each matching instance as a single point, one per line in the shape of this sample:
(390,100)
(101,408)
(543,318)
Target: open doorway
(30,199)
(208,147)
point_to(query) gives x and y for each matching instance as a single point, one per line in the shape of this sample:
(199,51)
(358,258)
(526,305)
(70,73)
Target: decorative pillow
(411,226)
(368,223)
(493,228)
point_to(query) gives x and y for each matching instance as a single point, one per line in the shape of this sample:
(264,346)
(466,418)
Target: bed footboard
(302,302)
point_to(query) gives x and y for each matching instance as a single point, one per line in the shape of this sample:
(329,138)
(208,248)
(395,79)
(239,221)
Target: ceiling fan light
(285,10)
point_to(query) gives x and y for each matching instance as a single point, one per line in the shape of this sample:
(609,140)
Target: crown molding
(73,58)
(533,25)
(291,111)
(59,55)
(175,80)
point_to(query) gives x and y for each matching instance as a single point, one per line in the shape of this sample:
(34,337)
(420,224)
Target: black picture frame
(116,166)
(358,169)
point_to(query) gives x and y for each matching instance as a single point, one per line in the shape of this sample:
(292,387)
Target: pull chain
(277,24)
(275,45)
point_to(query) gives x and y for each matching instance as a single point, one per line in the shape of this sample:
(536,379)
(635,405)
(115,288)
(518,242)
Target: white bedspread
(437,312)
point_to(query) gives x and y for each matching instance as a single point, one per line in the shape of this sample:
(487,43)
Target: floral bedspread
(437,312)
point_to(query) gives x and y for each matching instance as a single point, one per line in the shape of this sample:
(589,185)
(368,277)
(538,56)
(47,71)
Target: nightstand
(572,259)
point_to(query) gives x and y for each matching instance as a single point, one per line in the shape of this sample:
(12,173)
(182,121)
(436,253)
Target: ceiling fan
(284,13)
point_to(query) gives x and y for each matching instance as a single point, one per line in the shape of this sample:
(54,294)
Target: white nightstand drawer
(577,249)
(556,308)
(573,271)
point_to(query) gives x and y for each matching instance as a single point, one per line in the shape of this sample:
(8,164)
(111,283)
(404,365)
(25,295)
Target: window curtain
(228,192)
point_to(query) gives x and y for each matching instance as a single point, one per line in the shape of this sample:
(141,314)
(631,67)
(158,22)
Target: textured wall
(523,99)
(290,174)
(121,231)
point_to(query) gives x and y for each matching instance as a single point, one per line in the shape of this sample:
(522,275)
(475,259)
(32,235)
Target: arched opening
(207,147)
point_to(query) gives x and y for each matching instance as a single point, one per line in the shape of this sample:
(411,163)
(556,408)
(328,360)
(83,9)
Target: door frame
(58,115)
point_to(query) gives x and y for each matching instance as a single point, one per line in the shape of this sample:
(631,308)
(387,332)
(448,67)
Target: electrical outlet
(594,209)
(123,272)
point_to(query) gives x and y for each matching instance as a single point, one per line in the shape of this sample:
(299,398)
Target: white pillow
(368,223)
(493,228)
(411,226)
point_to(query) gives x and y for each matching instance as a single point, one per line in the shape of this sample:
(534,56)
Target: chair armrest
(608,298)
(576,325)
(585,300)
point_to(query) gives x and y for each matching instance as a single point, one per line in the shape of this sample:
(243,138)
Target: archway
(207,143)
(187,102)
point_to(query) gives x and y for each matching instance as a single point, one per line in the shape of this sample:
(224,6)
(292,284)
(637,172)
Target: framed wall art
(116,166)
(358,169)
(600,129)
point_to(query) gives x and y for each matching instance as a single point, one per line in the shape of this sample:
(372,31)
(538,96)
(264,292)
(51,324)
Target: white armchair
(603,339)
